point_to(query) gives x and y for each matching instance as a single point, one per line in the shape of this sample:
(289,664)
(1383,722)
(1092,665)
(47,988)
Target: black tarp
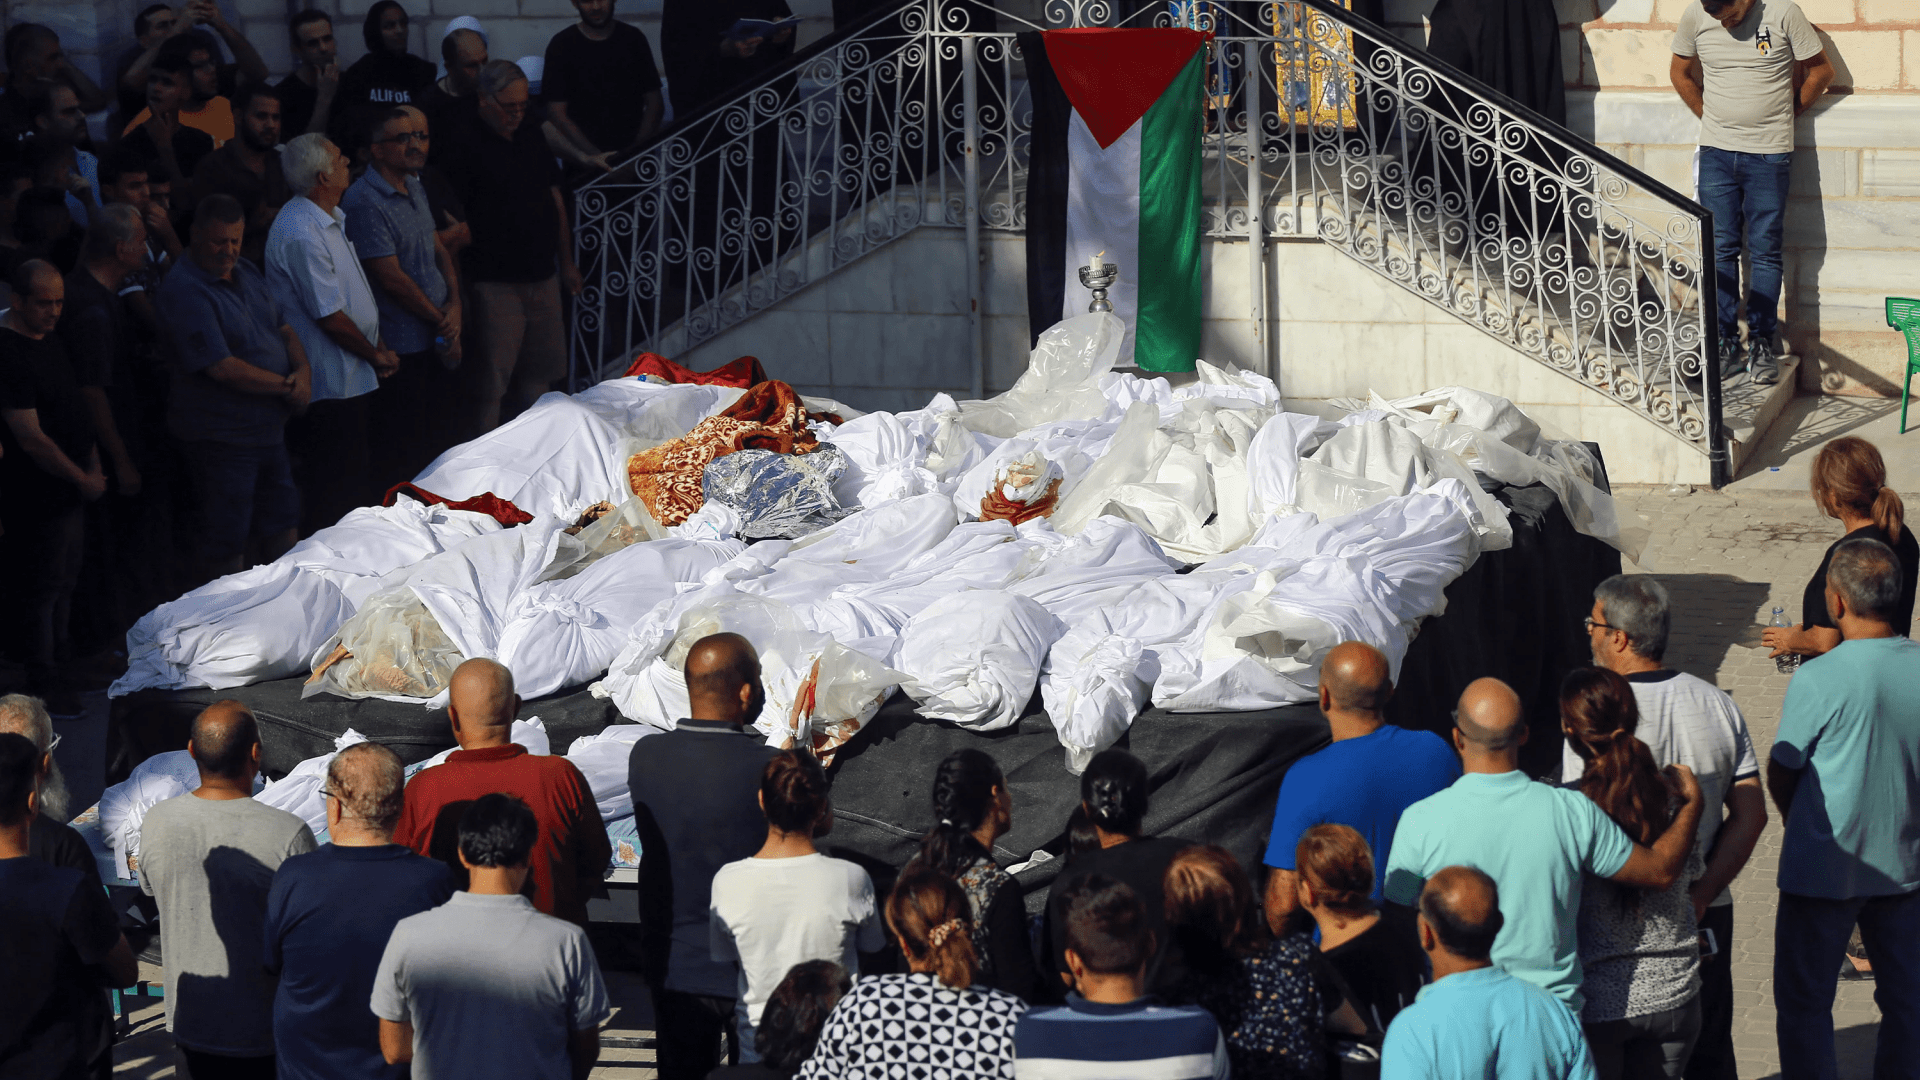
(1514,614)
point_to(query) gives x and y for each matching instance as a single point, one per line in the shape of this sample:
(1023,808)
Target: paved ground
(1728,557)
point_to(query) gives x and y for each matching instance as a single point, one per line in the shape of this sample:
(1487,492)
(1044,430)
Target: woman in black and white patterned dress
(934,1021)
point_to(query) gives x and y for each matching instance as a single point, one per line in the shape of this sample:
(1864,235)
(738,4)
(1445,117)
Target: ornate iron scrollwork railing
(1330,126)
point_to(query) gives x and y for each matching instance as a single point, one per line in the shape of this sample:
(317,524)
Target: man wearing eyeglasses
(391,225)
(522,250)
(329,915)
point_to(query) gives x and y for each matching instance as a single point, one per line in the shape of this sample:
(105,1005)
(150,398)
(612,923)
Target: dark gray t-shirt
(210,863)
(492,987)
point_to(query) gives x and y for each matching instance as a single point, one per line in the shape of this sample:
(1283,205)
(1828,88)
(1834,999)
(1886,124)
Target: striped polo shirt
(1141,1040)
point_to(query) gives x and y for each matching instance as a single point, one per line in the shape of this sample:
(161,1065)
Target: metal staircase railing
(1332,127)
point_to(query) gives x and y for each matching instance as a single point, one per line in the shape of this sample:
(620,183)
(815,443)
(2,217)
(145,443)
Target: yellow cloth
(216,119)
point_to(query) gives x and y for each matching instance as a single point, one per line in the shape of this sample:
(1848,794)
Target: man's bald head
(1490,716)
(1356,678)
(480,695)
(1462,905)
(723,679)
(370,783)
(223,738)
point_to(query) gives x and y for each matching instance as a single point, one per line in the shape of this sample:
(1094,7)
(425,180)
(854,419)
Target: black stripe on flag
(1046,189)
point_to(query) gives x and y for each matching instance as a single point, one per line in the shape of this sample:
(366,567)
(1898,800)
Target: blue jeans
(1746,193)
(1809,939)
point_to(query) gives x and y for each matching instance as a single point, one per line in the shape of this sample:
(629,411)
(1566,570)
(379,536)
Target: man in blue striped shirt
(1109,1028)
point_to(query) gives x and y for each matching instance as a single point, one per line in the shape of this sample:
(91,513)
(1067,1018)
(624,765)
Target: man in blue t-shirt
(329,914)
(1371,773)
(1842,771)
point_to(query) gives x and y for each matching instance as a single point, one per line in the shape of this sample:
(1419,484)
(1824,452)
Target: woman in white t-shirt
(788,903)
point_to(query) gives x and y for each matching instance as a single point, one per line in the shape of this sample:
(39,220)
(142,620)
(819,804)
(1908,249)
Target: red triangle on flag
(1113,76)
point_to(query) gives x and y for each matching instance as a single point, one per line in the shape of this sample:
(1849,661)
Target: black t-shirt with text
(603,83)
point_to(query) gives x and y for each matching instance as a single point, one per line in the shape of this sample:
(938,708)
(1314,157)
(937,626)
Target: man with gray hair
(1845,773)
(1689,721)
(315,275)
(1535,840)
(330,913)
(522,253)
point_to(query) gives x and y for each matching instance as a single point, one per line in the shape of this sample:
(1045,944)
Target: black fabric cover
(1514,614)
(1511,45)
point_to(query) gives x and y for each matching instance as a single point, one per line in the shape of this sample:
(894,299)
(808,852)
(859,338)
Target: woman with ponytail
(1113,795)
(972,809)
(954,1027)
(1640,951)
(1850,483)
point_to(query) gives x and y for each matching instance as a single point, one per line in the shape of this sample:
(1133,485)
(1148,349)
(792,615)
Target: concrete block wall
(1853,221)
(891,330)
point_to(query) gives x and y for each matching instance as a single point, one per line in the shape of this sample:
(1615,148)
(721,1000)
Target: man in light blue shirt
(1365,780)
(1536,840)
(392,230)
(1845,773)
(317,280)
(1475,1021)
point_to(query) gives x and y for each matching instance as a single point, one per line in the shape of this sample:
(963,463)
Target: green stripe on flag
(1167,325)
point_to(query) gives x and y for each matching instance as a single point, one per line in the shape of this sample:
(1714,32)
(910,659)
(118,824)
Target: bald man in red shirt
(570,858)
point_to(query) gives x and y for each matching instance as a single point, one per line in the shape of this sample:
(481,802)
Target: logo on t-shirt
(1763,40)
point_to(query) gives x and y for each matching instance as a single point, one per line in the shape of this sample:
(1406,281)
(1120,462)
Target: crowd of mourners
(1428,909)
(215,321)
(213,317)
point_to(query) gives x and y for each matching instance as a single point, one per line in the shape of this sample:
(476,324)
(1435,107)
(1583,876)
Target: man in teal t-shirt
(1845,772)
(1535,840)
(1475,1021)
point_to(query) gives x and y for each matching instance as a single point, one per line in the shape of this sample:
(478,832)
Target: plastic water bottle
(1787,663)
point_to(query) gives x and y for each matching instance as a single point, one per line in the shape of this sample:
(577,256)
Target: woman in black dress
(1850,483)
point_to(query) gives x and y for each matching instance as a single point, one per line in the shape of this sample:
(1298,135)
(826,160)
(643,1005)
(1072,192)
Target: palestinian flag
(1115,169)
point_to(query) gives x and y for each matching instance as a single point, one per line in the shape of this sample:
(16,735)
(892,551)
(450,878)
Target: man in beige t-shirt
(1746,68)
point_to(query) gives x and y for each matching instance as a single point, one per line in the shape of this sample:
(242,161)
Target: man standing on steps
(1746,68)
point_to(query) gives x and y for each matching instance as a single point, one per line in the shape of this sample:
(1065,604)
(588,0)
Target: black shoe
(1761,363)
(1731,366)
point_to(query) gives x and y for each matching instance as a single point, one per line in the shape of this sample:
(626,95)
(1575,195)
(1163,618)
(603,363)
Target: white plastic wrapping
(1062,378)
(974,657)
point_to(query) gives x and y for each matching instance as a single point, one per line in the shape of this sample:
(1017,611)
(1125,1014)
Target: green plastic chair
(1904,315)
